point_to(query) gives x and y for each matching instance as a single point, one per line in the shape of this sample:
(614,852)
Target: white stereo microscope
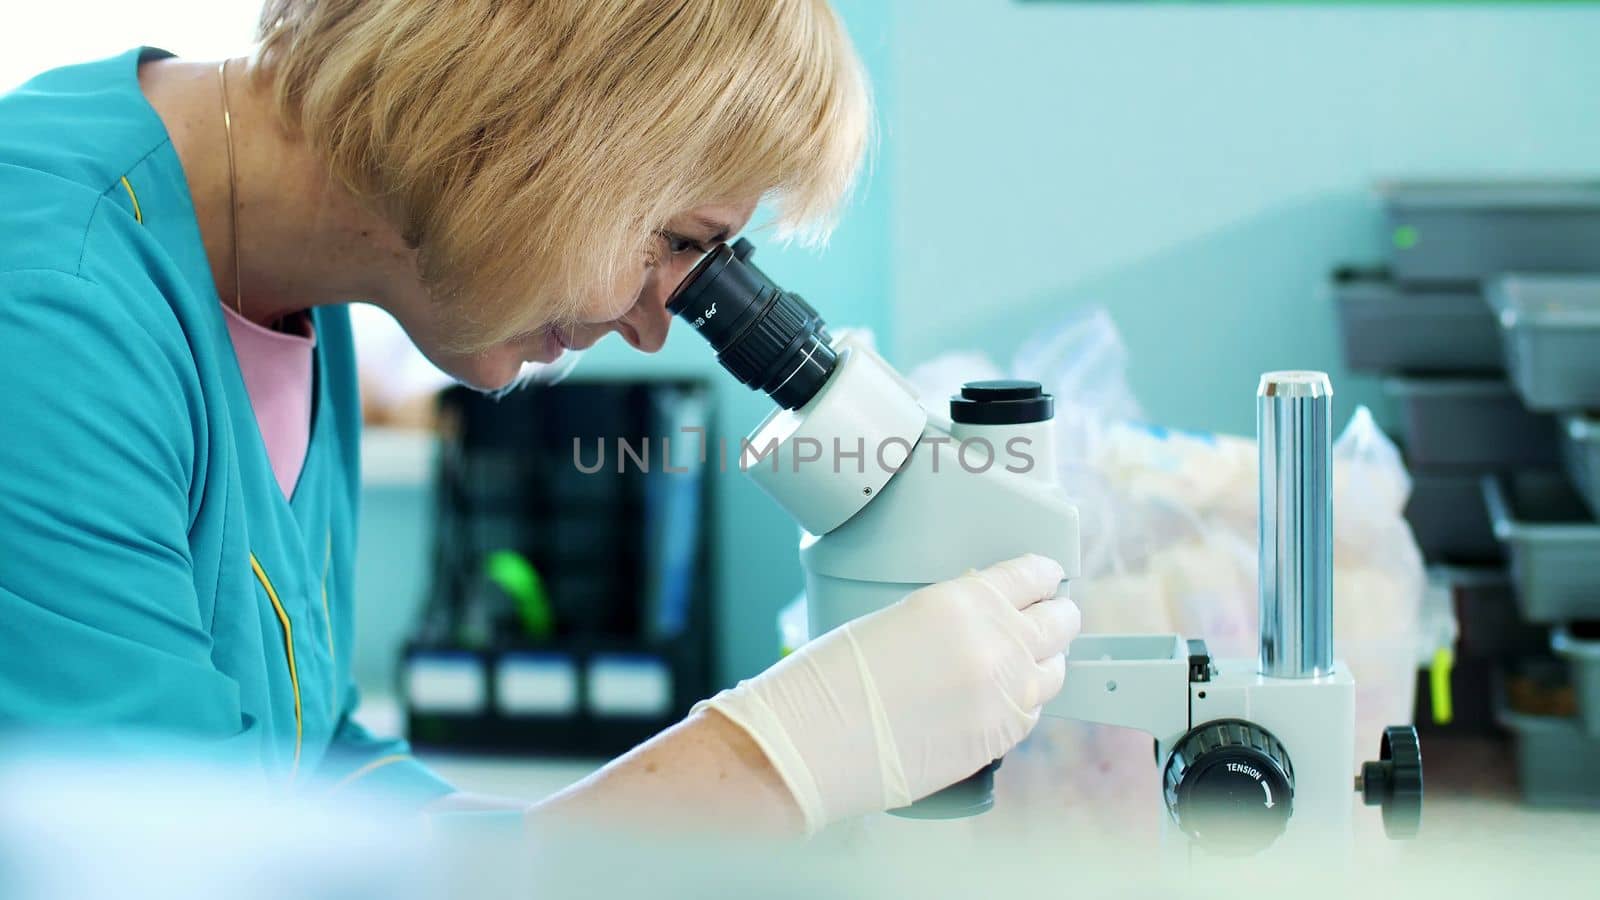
(893,496)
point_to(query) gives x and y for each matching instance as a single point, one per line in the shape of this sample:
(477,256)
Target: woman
(509,180)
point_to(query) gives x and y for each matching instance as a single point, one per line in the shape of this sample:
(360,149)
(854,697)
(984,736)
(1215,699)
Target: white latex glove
(895,705)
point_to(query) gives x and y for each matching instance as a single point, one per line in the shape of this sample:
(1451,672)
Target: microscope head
(833,394)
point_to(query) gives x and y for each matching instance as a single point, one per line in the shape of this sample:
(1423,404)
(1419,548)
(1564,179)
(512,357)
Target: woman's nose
(648,320)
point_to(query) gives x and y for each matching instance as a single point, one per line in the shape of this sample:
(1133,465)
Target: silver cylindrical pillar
(1294,433)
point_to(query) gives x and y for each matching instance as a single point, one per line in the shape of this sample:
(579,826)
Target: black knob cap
(1394,782)
(1230,786)
(1002,402)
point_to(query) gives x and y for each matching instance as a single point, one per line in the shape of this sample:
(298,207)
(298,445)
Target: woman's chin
(488,372)
(500,366)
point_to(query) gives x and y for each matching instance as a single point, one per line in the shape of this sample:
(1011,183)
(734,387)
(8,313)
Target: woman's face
(637,310)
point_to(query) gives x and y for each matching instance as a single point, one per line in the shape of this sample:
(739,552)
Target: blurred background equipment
(1486,325)
(571,607)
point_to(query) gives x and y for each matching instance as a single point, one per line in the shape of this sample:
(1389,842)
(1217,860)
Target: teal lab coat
(154,581)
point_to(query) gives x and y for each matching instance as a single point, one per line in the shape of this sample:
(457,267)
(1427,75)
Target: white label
(629,686)
(544,684)
(445,684)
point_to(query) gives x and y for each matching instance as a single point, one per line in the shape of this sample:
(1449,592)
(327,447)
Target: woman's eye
(678,244)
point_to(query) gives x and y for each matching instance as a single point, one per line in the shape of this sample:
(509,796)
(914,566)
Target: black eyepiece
(768,338)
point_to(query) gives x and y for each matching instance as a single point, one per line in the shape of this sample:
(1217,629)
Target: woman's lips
(553,346)
(546,345)
(543,346)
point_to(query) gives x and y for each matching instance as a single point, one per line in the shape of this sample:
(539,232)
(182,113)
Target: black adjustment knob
(1394,782)
(1230,786)
(1002,402)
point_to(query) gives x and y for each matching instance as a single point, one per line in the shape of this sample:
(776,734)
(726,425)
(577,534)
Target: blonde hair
(530,148)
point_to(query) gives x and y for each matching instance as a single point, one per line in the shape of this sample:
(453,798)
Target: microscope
(1249,754)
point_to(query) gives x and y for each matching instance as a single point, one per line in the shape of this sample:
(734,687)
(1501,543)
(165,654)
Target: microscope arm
(1138,681)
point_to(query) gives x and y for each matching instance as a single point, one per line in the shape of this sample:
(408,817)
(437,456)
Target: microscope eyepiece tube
(1294,433)
(768,338)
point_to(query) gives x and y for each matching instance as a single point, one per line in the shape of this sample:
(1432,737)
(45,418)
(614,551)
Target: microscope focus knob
(1394,782)
(1229,785)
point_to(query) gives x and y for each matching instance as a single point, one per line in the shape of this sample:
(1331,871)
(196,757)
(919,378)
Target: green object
(1406,237)
(1444,659)
(512,572)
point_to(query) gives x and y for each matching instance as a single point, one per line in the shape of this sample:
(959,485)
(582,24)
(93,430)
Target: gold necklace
(233,201)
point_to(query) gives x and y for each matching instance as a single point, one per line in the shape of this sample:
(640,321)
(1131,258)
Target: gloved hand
(895,705)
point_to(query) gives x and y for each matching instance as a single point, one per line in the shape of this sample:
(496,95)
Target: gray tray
(1554,545)
(1471,423)
(1555,757)
(1490,625)
(1555,760)
(1582,653)
(1580,450)
(1448,518)
(1550,329)
(1465,231)
(1388,328)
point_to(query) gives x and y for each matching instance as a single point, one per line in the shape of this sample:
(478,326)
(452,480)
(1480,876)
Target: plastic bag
(1167,523)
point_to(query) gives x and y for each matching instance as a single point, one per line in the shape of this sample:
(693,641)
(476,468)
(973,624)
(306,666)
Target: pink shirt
(278,369)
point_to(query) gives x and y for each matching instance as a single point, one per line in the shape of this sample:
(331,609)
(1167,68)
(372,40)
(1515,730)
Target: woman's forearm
(703,771)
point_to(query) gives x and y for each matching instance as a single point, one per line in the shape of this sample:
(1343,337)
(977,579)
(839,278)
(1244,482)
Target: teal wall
(1197,169)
